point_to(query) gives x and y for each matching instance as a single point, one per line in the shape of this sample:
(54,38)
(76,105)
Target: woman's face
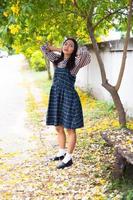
(68,48)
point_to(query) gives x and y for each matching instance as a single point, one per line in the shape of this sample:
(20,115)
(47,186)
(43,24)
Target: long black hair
(71,61)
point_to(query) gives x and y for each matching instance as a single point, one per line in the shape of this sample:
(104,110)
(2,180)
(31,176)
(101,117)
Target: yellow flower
(29,50)
(5,14)
(62,1)
(14,28)
(97,194)
(15,9)
(130,124)
(78,33)
(129,141)
(39,38)
(99,39)
(102,181)
(79,18)
(17,49)
(115,123)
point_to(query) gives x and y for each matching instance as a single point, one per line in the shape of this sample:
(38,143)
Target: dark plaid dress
(64,104)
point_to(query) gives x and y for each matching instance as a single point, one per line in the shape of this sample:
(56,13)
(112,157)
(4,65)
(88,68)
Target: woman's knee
(59,129)
(70,131)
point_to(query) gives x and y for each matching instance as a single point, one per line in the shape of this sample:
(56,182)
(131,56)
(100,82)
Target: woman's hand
(52,48)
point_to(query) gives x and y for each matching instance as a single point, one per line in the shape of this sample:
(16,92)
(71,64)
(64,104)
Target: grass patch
(124,186)
(33,110)
(102,109)
(41,81)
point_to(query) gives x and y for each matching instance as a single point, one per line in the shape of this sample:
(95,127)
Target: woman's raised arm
(82,59)
(48,50)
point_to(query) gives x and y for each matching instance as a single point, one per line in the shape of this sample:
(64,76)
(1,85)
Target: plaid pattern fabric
(82,59)
(64,104)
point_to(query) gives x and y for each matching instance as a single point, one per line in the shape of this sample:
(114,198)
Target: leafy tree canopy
(24,24)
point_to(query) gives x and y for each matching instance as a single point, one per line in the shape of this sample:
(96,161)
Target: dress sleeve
(83,58)
(49,54)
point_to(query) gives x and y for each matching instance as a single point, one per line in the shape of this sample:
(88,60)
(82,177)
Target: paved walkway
(13,133)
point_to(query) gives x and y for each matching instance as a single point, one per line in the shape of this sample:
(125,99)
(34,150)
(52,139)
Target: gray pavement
(14,136)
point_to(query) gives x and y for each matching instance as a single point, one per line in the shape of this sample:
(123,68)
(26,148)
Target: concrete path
(14,135)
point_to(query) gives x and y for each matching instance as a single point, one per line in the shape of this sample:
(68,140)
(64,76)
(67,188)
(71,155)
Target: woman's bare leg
(61,137)
(71,134)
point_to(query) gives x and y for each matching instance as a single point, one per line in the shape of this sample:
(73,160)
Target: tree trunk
(118,104)
(111,89)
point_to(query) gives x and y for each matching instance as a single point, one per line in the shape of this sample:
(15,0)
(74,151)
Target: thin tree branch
(123,13)
(75,4)
(72,12)
(106,16)
(83,14)
(97,51)
(91,10)
(125,46)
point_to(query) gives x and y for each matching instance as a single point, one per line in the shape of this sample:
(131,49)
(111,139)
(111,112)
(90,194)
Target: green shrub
(37,61)
(129,195)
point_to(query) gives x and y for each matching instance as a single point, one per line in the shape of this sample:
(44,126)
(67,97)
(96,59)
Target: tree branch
(82,14)
(72,12)
(106,16)
(75,4)
(125,46)
(97,51)
(123,13)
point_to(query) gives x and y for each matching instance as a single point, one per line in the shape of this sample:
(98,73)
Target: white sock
(68,157)
(61,152)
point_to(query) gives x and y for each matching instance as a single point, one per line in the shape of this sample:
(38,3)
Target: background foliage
(25,25)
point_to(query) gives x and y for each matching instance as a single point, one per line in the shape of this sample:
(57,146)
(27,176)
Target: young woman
(64,110)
